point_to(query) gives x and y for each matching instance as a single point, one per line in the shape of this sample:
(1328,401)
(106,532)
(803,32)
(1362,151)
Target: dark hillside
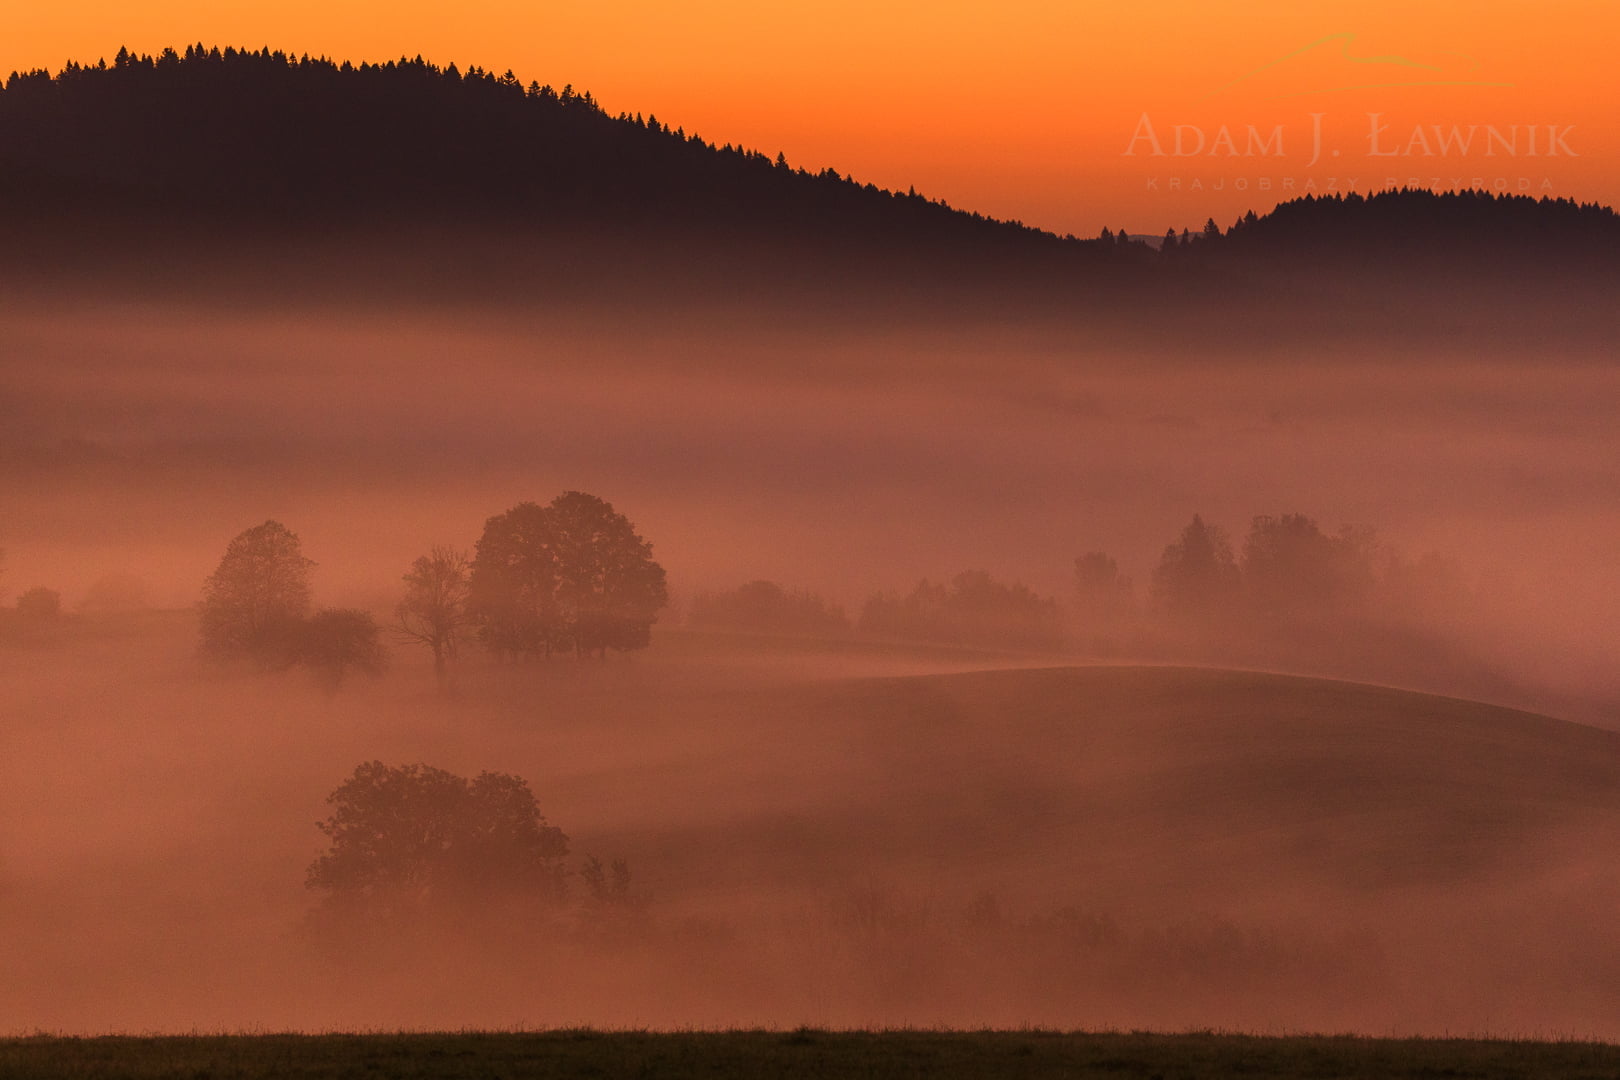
(268,137)
(266,175)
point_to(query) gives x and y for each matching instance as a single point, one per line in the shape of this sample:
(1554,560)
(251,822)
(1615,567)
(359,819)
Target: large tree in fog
(513,583)
(974,609)
(570,575)
(255,601)
(433,612)
(609,588)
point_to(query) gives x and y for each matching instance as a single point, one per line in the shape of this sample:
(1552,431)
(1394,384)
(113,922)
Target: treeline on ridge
(270,136)
(277,136)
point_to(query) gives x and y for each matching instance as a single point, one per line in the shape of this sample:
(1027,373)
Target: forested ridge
(264,134)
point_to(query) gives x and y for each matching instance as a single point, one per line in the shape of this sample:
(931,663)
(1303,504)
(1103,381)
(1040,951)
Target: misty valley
(548,799)
(473,561)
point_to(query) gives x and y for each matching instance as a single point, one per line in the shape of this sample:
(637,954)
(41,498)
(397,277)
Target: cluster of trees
(973,609)
(1289,570)
(1287,576)
(417,846)
(414,836)
(1289,585)
(571,576)
(256,607)
(765,607)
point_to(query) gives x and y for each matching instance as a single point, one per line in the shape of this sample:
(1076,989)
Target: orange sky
(1019,109)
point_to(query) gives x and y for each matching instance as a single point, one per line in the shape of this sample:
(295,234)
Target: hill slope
(227,148)
(1072,846)
(1142,786)
(265,137)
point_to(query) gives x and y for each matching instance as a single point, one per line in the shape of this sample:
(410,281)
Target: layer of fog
(140,439)
(155,820)
(1128,847)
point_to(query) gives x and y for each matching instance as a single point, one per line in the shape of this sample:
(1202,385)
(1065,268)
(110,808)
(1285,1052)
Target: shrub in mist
(336,641)
(39,605)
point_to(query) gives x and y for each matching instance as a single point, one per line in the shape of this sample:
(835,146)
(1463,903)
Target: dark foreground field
(802,1053)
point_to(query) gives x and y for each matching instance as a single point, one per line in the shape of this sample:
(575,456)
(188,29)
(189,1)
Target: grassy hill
(1145,787)
(846,836)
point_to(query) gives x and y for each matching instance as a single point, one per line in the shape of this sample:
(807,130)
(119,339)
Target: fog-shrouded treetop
(571,575)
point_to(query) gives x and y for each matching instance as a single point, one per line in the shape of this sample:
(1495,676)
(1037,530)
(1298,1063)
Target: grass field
(801,1053)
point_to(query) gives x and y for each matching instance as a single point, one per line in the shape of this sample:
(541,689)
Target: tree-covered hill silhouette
(266,135)
(1417,224)
(212,162)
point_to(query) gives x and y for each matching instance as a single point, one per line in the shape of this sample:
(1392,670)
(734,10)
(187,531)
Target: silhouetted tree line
(1290,583)
(767,608)
(1291,590)
(1288,569)
(263,133)
(973,609)
(264,137)
(1449,226)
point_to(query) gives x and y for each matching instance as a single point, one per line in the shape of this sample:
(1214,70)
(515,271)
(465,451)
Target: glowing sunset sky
(1019,109)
